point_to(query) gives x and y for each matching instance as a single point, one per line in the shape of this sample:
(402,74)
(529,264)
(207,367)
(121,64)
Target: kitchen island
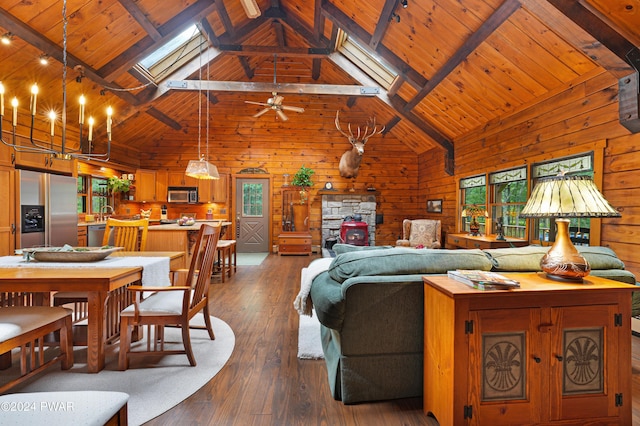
(174,237)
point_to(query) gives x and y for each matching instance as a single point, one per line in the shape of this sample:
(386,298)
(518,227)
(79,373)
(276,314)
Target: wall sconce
(44,59)
(395,17)
(7,38)
(404,4)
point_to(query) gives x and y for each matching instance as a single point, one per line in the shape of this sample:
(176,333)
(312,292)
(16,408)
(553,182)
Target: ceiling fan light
(251,8)
(201,169)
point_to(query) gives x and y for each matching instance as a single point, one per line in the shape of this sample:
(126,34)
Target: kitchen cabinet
(220,189)
(466,241)
(295,237)
(82,236)
(151,186)
(213,190)
(7,155)
(45,162)
(180,179)
(8,219)
(545,353)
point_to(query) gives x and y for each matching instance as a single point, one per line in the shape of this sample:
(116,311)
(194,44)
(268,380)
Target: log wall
(310,139)
(580,119)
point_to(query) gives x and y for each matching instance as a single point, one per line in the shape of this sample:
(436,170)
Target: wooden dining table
(97,282)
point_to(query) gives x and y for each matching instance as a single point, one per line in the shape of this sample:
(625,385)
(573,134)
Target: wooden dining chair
(174,305)
(129,234)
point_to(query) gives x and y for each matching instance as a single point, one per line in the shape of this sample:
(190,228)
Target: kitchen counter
(194,227)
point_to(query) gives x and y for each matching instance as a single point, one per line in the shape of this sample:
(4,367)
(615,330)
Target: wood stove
(354,233)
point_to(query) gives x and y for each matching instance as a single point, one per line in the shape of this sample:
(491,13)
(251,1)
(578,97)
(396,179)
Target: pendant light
(201,168)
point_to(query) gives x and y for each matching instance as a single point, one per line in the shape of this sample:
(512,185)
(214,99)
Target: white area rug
(309,343)
(250,259)
(156,384)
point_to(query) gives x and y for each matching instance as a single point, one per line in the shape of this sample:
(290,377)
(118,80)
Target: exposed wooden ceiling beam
(141,19)
(294,88)
(383,22)
(305,52)
(487,28)
(318,21)
(574,34)
(40,42)
(224,18)
(354,30)
(421,126)
(161,117)
(142,48)
(277,27)
(592,24)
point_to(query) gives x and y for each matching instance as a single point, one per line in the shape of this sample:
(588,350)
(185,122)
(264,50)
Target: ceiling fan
(274,103)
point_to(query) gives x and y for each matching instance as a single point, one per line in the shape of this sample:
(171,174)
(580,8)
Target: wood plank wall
(580,119)
(309,139)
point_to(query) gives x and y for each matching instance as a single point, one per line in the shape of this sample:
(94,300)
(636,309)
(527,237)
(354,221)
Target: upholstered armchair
(420,233)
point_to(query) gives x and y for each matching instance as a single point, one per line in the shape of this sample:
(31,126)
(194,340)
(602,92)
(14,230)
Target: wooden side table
(466,241)
(547,352)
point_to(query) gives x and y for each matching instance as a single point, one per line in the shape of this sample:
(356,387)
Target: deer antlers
(355,138)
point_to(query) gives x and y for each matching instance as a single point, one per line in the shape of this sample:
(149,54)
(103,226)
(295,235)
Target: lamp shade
(202,169)
(567,196)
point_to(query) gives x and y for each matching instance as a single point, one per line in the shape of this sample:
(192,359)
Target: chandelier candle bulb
(81,119)
(52,116)
(109,112)
(14,104)
(1,99)
(90,129)
(34,98)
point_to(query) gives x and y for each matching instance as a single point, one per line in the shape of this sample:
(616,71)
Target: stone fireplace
(335,207)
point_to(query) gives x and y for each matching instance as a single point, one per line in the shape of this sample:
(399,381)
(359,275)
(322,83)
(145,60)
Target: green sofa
(370,306)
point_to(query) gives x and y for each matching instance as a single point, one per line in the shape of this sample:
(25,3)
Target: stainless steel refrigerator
(48,209)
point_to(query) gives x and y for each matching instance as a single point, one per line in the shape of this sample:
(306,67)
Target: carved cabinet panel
(544,353)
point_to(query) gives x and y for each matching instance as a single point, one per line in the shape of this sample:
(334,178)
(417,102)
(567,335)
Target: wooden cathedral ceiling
(462,63)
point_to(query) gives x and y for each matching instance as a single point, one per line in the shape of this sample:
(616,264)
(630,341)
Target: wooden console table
(544,353)
(466,241)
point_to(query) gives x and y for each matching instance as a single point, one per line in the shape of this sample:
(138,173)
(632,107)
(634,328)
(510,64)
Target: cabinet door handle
(537,359)
(559,357)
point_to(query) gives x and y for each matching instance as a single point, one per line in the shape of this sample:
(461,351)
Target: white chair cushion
(61,408)
(161,303)
(17,320)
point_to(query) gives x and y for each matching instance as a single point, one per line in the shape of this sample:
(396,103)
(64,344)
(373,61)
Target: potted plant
(302,178)
(116,184)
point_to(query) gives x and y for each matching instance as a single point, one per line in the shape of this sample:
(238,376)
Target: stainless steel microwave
(182,194)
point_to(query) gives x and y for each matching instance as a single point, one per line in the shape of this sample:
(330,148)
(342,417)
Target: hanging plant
(116,184)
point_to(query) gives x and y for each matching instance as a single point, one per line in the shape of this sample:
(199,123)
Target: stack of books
(483,280)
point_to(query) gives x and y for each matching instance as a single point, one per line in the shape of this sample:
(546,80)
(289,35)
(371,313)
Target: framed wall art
(434,206)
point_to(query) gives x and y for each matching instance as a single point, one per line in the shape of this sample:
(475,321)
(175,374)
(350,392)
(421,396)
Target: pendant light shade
(202,169)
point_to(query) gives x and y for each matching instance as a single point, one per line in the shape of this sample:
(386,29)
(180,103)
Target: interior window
(473,193)
(579,228)
(508,190)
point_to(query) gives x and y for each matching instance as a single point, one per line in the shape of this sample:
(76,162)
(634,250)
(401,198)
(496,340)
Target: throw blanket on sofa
(302,303)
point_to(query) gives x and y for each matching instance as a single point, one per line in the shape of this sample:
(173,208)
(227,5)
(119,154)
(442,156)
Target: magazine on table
(483,280)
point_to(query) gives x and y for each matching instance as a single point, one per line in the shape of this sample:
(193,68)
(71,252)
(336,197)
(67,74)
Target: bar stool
(227,249)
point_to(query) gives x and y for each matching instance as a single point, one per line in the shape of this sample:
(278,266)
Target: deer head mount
(350,160)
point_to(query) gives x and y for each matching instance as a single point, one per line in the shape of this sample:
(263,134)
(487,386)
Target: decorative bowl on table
(68,253)
(186,221)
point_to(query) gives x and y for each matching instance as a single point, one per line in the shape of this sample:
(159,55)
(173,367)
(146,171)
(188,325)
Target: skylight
(365,60)
(173,54)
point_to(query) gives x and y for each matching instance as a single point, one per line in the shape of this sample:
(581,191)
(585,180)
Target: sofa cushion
(346,248)
(527,259)
(405,261)
(601,257)
(517,259)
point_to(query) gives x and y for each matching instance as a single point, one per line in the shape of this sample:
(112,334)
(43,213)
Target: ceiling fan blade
(264,111)
(256,103)
(277,100)
(291,108)
(282,115)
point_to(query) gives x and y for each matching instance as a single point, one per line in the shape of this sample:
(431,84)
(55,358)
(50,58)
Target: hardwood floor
(264,383)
